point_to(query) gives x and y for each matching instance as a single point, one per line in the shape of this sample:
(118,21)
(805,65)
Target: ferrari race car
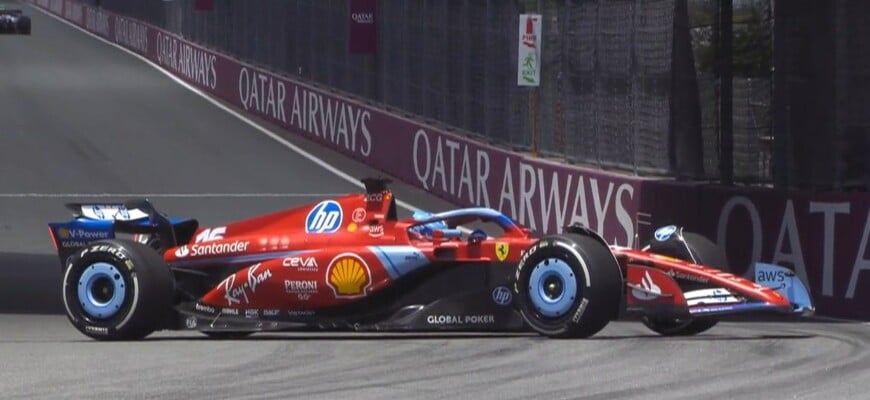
(350,264)
(13,21)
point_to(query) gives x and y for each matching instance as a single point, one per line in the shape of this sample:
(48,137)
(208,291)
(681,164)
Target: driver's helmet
(425,230)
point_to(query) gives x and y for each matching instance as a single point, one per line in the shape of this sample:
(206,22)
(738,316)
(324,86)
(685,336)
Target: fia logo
(325,217)
(359,215)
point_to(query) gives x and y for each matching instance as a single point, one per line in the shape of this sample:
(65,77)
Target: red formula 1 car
(350,264)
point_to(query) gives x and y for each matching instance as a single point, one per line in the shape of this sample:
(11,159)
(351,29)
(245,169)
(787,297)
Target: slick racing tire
(117,290)
(568,286)
(703,251)
(24,25)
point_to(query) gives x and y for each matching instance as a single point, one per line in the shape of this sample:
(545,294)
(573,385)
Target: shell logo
(348,276)
(63,233)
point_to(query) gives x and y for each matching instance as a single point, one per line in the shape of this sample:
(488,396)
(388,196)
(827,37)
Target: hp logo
(325,217)
(502,296)
(664,233)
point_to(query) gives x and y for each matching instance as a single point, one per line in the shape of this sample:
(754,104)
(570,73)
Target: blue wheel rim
(545,272)
(101,290)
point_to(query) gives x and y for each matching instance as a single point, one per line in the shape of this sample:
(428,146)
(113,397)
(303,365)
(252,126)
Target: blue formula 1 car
(14,22)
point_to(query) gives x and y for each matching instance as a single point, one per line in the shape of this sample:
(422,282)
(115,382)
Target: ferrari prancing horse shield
(501,250)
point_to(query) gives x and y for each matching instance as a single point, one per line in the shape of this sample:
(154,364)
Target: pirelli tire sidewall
(598,299)
(148,290)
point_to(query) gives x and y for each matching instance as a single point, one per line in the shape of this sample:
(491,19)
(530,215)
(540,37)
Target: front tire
(568,286)
(699,250)
(117,290)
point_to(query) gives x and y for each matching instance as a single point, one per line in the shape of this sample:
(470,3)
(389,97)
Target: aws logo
(349,276)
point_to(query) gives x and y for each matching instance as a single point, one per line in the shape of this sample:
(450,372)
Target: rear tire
(568,286)
(701,251)
(117,290)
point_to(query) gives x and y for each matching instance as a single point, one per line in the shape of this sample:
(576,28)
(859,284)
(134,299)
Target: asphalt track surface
(79,118)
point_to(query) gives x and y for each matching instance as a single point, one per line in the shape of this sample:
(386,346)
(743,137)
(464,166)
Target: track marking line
(164,195)
(298,150)
(274,136)
(822,318)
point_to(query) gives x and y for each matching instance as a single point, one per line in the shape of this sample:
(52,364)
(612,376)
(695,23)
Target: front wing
(676,288)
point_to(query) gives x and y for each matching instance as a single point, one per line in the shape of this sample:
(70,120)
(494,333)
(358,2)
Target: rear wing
(101,221)
(106,212)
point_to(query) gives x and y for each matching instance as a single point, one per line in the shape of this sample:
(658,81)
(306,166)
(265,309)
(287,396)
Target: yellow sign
(501,250)
(348,276)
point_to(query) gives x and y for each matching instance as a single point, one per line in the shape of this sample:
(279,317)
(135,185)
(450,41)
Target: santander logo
(651,290)
(182,252)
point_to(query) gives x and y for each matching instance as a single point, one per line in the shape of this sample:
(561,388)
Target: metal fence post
(726,164)
(535,92)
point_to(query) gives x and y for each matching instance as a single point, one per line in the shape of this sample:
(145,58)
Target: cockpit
(471,224)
